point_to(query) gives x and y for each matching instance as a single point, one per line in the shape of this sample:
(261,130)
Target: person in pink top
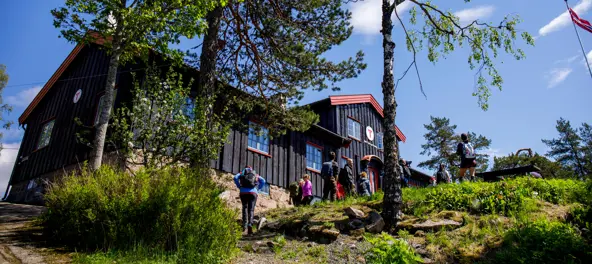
(306,190)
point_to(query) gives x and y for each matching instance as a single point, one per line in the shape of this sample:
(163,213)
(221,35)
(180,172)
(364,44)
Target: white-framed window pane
(353,128)
(45,136)
(258,142)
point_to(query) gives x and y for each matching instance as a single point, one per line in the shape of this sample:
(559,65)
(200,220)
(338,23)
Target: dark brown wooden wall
(86,72)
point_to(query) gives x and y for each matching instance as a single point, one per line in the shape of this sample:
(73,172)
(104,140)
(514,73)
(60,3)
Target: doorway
(373,176)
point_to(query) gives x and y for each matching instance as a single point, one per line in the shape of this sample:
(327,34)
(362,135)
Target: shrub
(388,250)
(167,210)
(543,242)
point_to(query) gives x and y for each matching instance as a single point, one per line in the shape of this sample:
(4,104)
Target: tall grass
(166,211)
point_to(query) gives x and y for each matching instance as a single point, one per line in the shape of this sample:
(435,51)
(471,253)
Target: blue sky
(552,82)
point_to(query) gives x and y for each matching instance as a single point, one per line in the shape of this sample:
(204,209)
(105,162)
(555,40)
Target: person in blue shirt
(249,184)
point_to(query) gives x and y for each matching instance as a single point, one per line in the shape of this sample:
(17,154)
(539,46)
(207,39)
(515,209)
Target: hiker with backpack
(249,184)
(296,192)
(404,172)
(364,184)
(467,157)
(443,176)
(346,178)
(329,174)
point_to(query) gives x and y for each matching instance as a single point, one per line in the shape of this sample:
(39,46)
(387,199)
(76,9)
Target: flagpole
(580,40)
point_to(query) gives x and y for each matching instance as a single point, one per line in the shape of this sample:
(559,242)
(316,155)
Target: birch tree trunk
(392,200)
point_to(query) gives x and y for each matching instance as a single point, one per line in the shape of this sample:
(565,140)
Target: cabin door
(373,176)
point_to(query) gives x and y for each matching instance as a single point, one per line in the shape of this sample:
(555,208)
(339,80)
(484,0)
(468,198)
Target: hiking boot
(250,230)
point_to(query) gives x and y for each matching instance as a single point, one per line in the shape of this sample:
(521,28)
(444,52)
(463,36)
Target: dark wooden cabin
(350,125)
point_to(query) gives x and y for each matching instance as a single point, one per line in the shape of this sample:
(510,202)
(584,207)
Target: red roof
(360,99)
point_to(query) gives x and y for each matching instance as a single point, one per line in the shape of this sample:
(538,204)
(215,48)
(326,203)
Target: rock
(352,246)
(355,224)
(375,223)
(357,232)
(451,215)
(426,226)
(353,213)
(330,234)
(274,225)
(361,259)
(272,244)
(316,229)
(419,233)
(225,195)
(427,261)
(262,223)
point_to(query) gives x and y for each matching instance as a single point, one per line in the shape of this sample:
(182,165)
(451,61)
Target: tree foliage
(567,148)
(165,125)
(441,142)
(273,50)
(586,135)
(442,33)
(128,29)
(549,169)
(4,108)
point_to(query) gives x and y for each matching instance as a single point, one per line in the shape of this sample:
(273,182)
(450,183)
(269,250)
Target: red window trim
(41,131)
(313,170)
(355,119)
(259,152)
(314,145)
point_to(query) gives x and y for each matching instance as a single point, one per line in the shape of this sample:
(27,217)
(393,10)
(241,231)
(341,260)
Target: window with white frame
(100,106)
(45,136)
(354,128)
(314,157)
(258,139)
(379,143)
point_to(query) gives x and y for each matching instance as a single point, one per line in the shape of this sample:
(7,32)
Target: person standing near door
(329,174)
(346,177)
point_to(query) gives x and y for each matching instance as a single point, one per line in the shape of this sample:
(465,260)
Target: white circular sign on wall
(77,95)
(369,133)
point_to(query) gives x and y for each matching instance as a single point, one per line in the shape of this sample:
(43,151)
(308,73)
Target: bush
(507,197)
(167,210)
(543,242)
(388,250)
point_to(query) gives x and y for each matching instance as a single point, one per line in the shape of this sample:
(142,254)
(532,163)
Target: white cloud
(558,75)
(568,60)
(468,15)
(24,97)
(492,152)
(7,159)
(367,15)
(564,19)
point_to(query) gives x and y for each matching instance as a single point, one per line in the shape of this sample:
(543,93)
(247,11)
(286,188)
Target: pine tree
(567,148)
(443,33)
(586,135)
(441,143)
(128,29)
(273,50)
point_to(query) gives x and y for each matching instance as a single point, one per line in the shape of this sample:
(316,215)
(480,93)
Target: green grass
(124,257)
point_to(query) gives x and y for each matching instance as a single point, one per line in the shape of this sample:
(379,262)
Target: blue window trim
(258,142)
(315,158)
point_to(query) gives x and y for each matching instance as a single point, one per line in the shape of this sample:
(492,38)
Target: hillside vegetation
(516,221)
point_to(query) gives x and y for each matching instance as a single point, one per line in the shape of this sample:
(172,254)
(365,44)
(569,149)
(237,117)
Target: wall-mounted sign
(369,133)
(77,96)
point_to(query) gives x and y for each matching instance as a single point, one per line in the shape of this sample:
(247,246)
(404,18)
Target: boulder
(375,223)
(331,234)
(274,226)
(357,232)
(419,233)
(353,213)
(428,225)
(225,195)
(355,224)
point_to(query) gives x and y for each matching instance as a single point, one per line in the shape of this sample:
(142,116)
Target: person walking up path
(249,184)
(329,173)
(467,157)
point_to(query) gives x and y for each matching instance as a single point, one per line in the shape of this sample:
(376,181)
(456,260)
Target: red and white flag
(585,24)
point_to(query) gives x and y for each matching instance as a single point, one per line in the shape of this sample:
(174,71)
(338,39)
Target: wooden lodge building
(350,125)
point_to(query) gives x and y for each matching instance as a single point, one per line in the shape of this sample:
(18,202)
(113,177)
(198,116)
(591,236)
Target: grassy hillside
(515,221)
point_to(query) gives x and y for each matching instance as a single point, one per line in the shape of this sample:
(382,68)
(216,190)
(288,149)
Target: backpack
(468,150)
(327,170)
(294,186)
(248,180)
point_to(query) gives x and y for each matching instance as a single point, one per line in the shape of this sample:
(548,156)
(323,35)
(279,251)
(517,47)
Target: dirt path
(20,240)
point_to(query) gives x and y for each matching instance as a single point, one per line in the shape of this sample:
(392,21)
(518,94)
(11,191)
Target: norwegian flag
(585,24)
